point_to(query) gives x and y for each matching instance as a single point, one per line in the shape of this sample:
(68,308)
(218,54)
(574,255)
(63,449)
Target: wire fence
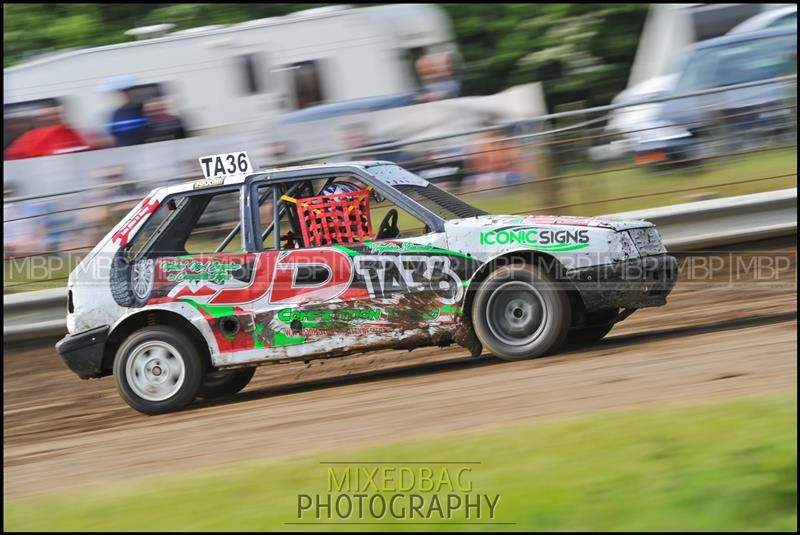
(709,143)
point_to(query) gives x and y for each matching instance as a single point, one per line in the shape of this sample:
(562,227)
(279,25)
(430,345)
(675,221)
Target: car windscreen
(737,63)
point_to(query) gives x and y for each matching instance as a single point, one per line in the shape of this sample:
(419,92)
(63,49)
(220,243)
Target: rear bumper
(83,352)
(635,283)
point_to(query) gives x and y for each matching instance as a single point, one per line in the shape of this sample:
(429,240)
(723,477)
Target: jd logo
(277,277)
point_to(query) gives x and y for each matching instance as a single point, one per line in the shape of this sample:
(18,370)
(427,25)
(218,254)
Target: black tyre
(158,369)
(131,282)
(598,324)
(225,382)
(589,335)
(520,313)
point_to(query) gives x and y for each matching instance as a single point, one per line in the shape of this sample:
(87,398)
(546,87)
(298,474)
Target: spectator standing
(128,124)
(437,74)
(497,160)
(161,124)
(51,136)
(24,230)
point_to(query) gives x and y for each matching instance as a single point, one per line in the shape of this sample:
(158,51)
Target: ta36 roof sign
(225,165)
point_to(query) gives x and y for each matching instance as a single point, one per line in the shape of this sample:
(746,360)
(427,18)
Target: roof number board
(225,165)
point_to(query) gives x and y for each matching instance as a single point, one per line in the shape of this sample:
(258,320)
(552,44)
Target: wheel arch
(548,262)
(149,317)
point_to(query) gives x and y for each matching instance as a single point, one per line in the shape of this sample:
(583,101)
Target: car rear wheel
(158,369)
(221,383)
(520,313)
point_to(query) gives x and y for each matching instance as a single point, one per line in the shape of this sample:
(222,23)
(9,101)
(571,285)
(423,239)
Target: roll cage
(295,182)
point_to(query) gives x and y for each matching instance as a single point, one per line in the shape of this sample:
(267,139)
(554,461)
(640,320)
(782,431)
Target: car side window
(786,20)
(337,210)
(276,197)
(698,73)
(265,199)
(219,218)
(192,224)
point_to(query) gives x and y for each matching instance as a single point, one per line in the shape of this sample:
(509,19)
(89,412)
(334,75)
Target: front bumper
(654,152)
(634,283)
(83,352)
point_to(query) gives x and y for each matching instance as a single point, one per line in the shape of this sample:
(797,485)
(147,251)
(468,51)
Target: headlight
(622,247)
(648,241)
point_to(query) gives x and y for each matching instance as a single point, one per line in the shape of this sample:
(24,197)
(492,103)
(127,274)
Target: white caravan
(231,78)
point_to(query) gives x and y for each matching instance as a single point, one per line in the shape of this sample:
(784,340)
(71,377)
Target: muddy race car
(204,281)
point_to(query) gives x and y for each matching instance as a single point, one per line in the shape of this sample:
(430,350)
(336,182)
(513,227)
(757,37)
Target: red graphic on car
(147,207)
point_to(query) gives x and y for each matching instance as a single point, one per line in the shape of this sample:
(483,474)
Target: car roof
(742,37)
(197,184)
(362,164)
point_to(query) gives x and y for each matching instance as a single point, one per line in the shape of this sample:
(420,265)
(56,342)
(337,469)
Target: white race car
(177,304)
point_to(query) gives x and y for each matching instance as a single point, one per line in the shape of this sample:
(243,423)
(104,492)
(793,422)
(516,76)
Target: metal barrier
(683,227)
(717,222)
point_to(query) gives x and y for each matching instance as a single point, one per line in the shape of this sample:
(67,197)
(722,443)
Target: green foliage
(579,51)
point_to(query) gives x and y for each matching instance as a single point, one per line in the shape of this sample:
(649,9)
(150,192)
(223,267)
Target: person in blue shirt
(128,124)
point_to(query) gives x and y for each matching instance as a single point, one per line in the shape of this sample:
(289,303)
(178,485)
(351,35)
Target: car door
(201,259)
(343,296)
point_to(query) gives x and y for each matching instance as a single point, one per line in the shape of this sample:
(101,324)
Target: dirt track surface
(712,341)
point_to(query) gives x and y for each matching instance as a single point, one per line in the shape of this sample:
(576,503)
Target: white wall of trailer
(359,54)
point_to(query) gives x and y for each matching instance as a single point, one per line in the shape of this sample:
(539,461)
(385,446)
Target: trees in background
(578,51)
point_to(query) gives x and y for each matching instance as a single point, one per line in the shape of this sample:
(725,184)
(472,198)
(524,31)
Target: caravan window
(20,117)
(410,56)
(307,84)
(250,78)
(147,92)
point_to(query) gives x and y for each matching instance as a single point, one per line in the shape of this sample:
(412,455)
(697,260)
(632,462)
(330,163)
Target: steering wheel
(290,239)
(388,228)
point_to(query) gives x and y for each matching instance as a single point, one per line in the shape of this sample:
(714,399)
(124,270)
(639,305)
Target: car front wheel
(520,313)
(158,369)
(598,324)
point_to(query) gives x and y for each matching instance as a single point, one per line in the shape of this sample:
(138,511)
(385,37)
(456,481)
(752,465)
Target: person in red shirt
(52,137)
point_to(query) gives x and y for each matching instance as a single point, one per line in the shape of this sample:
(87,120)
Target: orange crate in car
(335,218)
